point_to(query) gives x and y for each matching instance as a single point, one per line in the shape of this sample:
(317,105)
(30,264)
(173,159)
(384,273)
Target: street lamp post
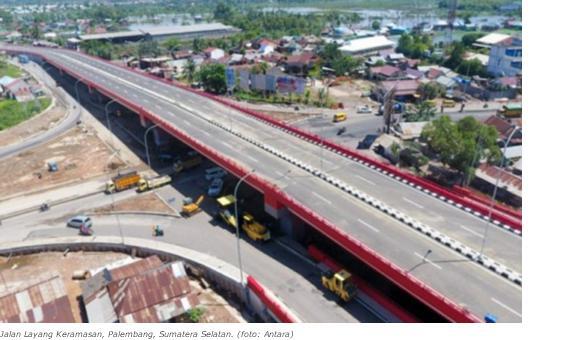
(107,113)
(77,91)
(493,198)
(237,223)
(146,143)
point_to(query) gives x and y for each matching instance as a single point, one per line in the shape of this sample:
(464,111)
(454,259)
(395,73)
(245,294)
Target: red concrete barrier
(281,312)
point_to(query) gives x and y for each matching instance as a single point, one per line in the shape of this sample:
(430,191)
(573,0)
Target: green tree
(345,65)
(223,12)
(430,90)
(172,45)
(456,55)
(472,67)
(376,25)
(148,48)
(189,71)
(195,314)
(213,78)
(260,68)
(470,38)
(461,145)
(198,45)
(423,112)
(35,32)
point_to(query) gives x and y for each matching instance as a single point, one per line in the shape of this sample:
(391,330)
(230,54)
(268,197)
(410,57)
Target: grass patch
(9,70)
(13,112)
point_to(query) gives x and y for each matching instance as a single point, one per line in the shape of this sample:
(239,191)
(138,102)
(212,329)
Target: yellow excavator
(339,283)
(255,230)
(189,207)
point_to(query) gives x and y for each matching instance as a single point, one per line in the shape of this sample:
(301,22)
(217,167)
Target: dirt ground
(216,308)
(349,93)
(146,202)
(39,123)
(79,154)
(22,267)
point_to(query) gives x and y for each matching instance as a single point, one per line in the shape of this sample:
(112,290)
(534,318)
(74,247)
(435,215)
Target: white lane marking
(228,145)
(364,179)
(413,203)
(322,198)
(252,158)
(428,261)
(471,231)
(368,225)
(507,308)
(187,123)
(206,133)
(281,174)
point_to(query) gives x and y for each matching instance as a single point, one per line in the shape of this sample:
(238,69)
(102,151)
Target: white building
(506,58)
(366,46)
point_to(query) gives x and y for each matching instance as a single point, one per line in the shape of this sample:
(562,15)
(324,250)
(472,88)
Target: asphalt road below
(294,281)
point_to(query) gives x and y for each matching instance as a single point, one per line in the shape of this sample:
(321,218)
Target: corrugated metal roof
(43,301)
(364,44)
(165,30)
(143,291)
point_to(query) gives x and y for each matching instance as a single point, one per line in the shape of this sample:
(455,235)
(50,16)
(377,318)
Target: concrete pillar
(272,205)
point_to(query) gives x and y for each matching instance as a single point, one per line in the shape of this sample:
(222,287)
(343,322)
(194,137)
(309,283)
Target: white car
(364,109)
(78,221)
(216,187)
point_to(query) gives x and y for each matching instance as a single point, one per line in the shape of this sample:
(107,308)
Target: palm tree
(189,71)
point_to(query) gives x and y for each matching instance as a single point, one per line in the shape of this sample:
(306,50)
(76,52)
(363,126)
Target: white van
(213,173)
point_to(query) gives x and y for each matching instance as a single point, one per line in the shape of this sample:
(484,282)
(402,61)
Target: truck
(189,207)
(180,165)
(122,182)
(339,283)
(511,110)
(145,184)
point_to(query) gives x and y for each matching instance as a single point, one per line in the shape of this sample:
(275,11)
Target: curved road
(73,114)
(291,278)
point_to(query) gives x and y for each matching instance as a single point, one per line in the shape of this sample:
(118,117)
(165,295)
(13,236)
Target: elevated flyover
(385,222)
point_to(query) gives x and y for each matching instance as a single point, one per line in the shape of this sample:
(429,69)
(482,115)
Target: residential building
(142,291)
(384,72)
(491,39)
(300,64)
(504,129)
(506,58)
(366,46)
(214,53)
(509,184)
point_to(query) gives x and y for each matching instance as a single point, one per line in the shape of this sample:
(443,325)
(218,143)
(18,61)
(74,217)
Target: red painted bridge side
(416,288)
(278,309)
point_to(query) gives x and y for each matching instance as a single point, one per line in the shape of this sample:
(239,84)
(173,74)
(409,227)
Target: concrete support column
(272,205)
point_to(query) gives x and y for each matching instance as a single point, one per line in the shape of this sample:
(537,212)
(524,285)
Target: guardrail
(449,309)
